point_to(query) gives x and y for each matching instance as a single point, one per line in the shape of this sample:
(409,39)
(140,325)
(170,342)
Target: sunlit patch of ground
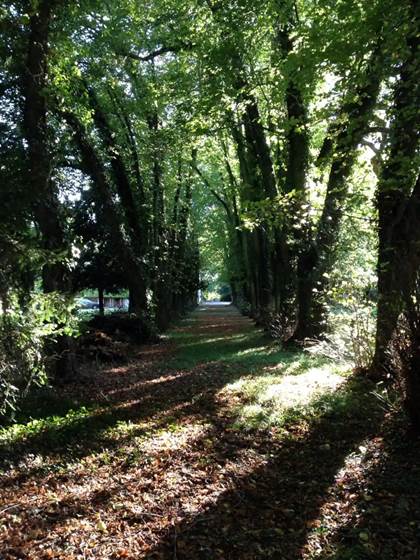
(267,398)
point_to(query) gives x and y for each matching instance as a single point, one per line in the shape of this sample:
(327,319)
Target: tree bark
(397,199)
(160,264)
(318,259)
(259,273)
(101,301)
(94,168)
(135,214)
(46,206)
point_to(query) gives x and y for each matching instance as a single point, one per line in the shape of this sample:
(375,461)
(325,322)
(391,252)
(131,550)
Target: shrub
(281,326)
(351,336)
(25,333)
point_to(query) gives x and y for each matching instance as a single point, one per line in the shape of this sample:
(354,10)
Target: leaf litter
(157,466)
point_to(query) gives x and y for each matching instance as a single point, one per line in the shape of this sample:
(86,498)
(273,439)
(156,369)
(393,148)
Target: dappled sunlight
(300,390)
(173,438)
(239,451)
(266,399)
(196,350)
(298,364)
(210,280)
(370,510)
(253,350)
(166,378)
(148,485)
(17,432)
(268,509)
(204,339)
(341,502)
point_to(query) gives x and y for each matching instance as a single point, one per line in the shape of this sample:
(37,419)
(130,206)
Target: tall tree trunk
(396,197)
(160,274)
(297,133)
(94,168)
(297,161)
(410,268)
(318,259)
(258,246)
(180,261)
(134,209)
(46,205)
(238,239)
(101,301)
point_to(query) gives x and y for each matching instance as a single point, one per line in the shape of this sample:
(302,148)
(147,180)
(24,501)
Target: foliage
(162,147)
(24,334)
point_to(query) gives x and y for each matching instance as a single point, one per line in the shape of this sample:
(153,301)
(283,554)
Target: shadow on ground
(155,466)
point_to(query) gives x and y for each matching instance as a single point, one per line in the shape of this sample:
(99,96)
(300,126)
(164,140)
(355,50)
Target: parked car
(85,303)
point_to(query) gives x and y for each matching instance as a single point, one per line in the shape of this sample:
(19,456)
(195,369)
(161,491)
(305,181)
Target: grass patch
(275,386)
(45,402)
(55,426)
(193,350)
(298,386)
(253,350)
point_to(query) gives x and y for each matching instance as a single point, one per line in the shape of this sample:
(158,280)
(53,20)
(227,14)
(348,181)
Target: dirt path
(152,463)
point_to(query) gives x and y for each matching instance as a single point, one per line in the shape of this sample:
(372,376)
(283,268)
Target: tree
(46,206)
(398,196)
(98,266)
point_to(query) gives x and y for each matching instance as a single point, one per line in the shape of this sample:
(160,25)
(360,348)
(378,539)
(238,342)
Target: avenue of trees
(276,141)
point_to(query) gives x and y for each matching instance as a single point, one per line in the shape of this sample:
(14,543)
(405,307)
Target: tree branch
(213,192)
(378,129)
(157,52)
(372,146)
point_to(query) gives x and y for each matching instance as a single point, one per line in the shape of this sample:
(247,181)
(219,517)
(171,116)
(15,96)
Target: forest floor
(214,444)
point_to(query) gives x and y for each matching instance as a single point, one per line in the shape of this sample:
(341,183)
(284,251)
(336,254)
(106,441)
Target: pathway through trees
(155,459)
